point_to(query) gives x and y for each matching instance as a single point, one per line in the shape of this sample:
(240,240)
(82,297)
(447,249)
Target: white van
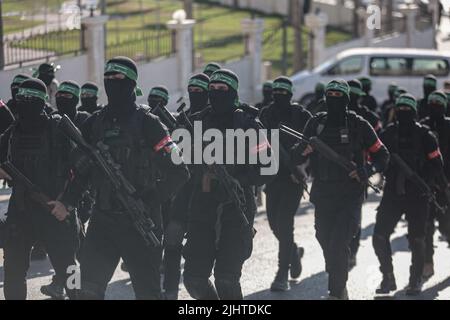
(405,67)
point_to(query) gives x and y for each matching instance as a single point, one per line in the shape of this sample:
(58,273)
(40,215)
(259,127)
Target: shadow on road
(38,269)
(311,288)
(120,290)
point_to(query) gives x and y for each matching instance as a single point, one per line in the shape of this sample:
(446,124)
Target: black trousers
(390,211)
(60,240)
(282,201)
(217,239)
(444,227)
(174,231)
(336,223)
(111,237)
(354,244)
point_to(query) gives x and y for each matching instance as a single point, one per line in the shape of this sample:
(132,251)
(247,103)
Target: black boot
(38,253)
(281,281)
(53,290)
(387,284)
(343,295)
(414,287)
(296,262)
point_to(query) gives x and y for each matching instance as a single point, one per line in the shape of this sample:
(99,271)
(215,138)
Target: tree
(188,9)
(356,5)
(2,52)
(297,20)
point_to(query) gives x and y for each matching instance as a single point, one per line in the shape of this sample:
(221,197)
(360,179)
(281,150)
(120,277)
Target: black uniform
(141,145)
(440,126)
(419,149)
(283,194)
(36,147)
(6,117)
(337,197)
(217,237)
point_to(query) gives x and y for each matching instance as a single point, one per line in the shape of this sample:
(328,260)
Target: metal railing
(22,49)
(140,45)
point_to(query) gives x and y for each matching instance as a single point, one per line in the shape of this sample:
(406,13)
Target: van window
(389,66)
(435,66)
(347,66)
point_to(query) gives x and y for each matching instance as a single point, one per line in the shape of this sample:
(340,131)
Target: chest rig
(41,156)
(345,140)
(125,142)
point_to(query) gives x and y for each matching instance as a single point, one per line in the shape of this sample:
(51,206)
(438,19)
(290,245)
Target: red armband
(436,153)
(260,147)
(376,146)
(164,141)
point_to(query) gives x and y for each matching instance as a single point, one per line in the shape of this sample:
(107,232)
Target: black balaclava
(366,84)
(406,118)
(391,91)
(319,91)
(356,93)
(224,102)
(437,104)
(46,73)
(68,106)
(121,92)
(158,96)
(282,94)
(267,92)
(31,100)
(429,85)
(337,106)
(89,95)
(17,81)
(198,100)
(211,67)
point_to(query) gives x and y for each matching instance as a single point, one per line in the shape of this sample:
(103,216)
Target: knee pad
(417,244)
(200,288)
(174,234)
(90,291)
(379,240)
(228,289)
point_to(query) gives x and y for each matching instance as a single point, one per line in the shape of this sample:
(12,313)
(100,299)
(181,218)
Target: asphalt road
(260,269)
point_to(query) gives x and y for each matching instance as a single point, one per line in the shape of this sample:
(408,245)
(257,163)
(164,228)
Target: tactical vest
(129,149)
(409,147)
(42,157)
(347,141)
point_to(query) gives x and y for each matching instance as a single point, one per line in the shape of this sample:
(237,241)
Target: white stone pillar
(410,12)
(316,23)
(94,40)
(253,29)
(183,47)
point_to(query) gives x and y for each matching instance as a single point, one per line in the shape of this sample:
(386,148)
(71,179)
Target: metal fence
(34,47)
(141,46)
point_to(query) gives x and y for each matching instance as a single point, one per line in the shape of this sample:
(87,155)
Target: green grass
(217,34)
(10,6)
(13,24)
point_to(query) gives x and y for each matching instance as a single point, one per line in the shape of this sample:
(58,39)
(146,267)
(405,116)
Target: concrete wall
(72,68)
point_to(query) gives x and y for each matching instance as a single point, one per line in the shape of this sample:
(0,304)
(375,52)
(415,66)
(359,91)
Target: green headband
(439,98)
(159,93)
(357,91)
(195,82)
(120,68)
(65,87)
(89,91)
(337,86)
(28,92)
(222,77)
(268,85)
(282,85)
(406,101)
(365,81)
(211,68)
(428,82)
(19,79)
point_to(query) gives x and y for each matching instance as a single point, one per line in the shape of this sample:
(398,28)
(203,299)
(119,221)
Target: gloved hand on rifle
(300,151)
(362,174)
